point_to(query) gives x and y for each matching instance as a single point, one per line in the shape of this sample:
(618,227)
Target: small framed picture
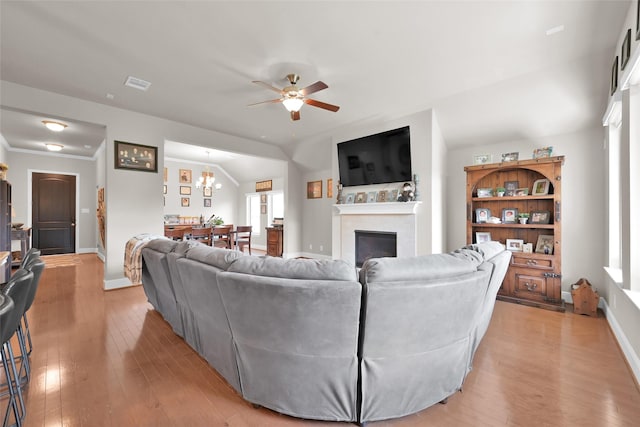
(614,76)
(515,245)
(482,159)
(544,244)
(482,237)
(510,188)
(626,50)
(527,248)
(263,209)
(510,157)
(329,188)
(185,176)
(207,203)
(540,217)
(638,21)
(482,215)
(382,196)
(349,199)
(184,202)
(314,189)
(371,197)
(185,190)
(164,189)
(509,215)
(485,192)
(361,197)
(539,153)
(540,187)
(166,173)
(207,191)
(521,192)
(263,198)
(394,196)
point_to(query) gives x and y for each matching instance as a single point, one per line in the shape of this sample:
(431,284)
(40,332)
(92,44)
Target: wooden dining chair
(222,236)
(174,233)
(243,237)
(203,235)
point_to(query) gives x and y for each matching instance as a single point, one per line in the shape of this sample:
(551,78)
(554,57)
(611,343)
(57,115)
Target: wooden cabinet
(274,241)
(5,226)
(533,278)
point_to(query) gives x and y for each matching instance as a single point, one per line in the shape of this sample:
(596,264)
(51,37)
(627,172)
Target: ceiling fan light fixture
(293,104)
(54,126)
(54,147)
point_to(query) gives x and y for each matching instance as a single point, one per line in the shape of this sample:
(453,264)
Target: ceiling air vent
(137,83)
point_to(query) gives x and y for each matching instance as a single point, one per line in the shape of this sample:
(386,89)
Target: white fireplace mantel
(386,208)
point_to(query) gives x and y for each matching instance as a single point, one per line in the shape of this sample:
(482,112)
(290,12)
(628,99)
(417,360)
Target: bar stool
(35,265)
(16,289)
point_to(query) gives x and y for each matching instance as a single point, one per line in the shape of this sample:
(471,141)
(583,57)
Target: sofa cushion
(217,257)
(162,245)
(303,269)
(487,249)
(420,268)
(184,246)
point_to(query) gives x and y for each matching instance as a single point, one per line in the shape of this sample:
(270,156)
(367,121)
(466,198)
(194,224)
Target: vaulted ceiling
(493,70)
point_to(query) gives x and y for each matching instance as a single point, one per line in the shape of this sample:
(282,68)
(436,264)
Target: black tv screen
(376,159)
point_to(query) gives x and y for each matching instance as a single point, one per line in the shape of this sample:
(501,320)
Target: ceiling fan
(293,98)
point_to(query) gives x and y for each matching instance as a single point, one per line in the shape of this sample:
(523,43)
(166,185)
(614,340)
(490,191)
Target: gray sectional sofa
(317,339)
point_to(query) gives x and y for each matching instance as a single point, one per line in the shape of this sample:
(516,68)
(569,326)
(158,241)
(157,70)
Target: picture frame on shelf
(485,192)
(509,215)
(184,176)
(510,157)
(207,203)
(510,188)
(371,197)
(540,187)
(514,245)
(527,248)
(382,196)
(482,237)
(361,197)
(543,152)
(522,191)
(393,196)
(481,159)
(482,215)
(136,157)
(544,245)
(539,217)
(349,199)
(625,50)
(185,190)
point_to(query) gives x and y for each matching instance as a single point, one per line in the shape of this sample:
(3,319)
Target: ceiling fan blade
(295,115)
(267,86)
(323,105)
(271,101)
(317,86)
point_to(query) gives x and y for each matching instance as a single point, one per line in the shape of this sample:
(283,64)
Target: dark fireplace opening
(375,244)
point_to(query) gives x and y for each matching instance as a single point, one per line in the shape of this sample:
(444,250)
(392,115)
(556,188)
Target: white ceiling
(487,67)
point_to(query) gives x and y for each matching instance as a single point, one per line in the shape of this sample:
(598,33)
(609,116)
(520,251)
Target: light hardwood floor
(108,359)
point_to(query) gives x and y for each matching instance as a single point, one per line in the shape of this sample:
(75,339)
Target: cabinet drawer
(530,286)
(529,262)
(272,249)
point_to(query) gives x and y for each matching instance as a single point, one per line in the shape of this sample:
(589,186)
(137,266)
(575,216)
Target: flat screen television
(376,159)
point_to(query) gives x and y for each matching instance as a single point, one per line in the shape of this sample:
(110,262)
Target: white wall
(258,236)
(316,230)
(21,165)
(583,198)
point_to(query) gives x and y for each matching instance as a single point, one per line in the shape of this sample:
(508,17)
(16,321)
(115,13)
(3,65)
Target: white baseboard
(632,358)
(87,250)
(117,284)
(101,257)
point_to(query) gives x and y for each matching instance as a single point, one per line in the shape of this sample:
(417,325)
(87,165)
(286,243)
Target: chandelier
(207,178)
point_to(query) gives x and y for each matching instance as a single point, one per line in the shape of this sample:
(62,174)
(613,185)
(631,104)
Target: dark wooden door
(54,213)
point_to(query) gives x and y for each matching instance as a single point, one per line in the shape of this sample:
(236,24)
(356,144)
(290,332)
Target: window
(253,212)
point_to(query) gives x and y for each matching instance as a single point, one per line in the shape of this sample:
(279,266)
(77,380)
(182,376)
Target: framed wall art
(614,76)
(165,174)
(544,244)
(185,190)
(371,197)
(539,153)
(184,202)
(185,176)
(349,198)
(329,188)
(382,196)
(135,156)
(482,237)
(266,185)
(361,197)
(540,217)
(164,189)
(263,198)
(207,191)
(314,189)
(625,51)
(510,157)
(482,159)
(207,203)
(482,215)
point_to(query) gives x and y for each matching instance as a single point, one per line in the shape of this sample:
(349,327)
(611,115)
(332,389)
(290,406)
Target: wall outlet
(320,248)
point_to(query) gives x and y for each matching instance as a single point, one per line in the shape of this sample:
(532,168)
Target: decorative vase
(523,220)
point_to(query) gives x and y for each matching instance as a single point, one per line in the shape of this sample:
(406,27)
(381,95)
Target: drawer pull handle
(532,262)
(530,286)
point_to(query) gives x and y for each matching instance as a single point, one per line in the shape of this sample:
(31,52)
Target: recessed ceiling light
(54,126)
(137,83)
(54,147)
(554,30)
(87,146)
